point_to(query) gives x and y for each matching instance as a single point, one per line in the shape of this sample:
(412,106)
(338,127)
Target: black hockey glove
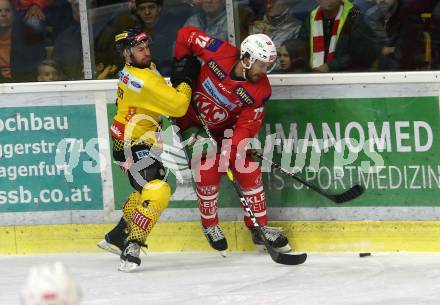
(185,70)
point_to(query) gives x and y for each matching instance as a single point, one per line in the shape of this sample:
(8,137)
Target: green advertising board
(388,145)
(49,159)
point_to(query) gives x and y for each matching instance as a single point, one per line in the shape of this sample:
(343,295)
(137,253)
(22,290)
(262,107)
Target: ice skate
(275,237)
(114,241)
(130,257)
(216,238)
(110,246)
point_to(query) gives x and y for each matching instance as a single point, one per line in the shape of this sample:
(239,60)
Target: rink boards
(310,236)
(381,131)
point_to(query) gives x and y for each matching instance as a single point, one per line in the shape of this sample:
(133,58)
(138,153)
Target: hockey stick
(280,258)
(348,195)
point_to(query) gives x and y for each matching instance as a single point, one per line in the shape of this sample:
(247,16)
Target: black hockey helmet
(131,38)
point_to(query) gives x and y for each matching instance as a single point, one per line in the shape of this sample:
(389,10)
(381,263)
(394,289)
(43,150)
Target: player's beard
(141,64)
(251,77)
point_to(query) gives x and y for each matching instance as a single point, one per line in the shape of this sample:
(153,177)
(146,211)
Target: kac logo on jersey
(216,69)
(214,44)
(212,112)
(244,96)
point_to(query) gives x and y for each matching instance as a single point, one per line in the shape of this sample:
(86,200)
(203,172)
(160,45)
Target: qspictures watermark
(307,153)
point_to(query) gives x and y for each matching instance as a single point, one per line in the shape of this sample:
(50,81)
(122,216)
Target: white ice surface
(241,279)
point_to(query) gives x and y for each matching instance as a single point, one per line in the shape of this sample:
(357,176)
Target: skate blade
(104,245)
(223,253)
(125,266)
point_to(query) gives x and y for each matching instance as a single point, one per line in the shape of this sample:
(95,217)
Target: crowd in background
(40,40)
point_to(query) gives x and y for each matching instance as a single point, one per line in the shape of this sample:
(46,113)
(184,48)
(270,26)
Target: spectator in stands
(67,49)
(211,18)
(58,17)
(246,17)
(150,17)
(163,29)
(363,5)
(105,70)
(277,23)
(48,70)
(302,8)
(294,57)
(20,52)
(258,6)
(338,38)
(32,12)
(400,29)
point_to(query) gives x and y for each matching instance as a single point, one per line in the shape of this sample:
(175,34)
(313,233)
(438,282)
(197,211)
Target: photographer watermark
(295,155)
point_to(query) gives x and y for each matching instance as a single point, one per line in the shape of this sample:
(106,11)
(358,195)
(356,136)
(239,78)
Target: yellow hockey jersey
(143,96)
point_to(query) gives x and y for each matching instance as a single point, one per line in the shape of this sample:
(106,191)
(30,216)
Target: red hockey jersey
(223,102)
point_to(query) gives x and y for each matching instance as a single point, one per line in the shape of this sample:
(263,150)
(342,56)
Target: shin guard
(142,216)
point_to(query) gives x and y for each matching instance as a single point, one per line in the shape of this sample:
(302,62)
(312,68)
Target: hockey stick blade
(290,259)
(348,195)
(286,258)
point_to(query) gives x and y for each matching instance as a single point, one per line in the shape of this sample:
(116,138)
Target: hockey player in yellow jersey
(142,97)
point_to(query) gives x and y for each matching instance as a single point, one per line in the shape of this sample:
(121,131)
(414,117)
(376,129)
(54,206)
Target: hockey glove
(185,70)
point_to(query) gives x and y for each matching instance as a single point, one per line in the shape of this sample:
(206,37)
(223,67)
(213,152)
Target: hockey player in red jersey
(230,93)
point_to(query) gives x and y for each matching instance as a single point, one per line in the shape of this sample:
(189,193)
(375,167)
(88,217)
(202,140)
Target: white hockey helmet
(259,47)
(50,285)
